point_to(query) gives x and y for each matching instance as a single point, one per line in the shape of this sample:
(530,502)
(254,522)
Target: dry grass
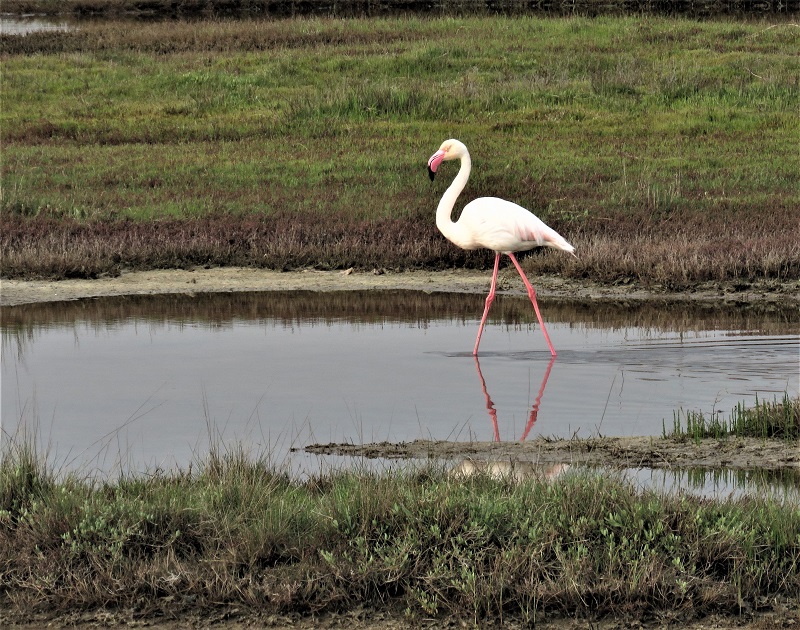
(342,8)
(681,251)
(673,253)
(181,36)
(64,248)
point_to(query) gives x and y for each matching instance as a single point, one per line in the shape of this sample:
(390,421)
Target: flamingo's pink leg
(532,296)
(489,300)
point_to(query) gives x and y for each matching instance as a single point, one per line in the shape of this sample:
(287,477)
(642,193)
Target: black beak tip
(431,173)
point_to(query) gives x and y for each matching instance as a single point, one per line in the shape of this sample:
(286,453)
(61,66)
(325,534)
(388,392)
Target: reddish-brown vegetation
(675,252)
(64,248)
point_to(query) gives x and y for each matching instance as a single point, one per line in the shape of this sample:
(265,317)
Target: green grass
(664,149)
(235,532)
(776,419)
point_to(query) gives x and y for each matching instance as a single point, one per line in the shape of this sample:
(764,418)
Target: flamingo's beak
(433,163)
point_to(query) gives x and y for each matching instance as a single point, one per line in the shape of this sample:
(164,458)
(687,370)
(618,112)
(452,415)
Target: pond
(148,382)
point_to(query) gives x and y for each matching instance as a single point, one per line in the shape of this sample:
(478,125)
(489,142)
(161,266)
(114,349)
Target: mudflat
(622,452)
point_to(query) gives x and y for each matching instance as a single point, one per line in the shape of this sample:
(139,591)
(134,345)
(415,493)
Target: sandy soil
(228,279)
(516,458)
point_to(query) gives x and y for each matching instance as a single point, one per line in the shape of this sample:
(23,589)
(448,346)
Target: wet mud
(618,452)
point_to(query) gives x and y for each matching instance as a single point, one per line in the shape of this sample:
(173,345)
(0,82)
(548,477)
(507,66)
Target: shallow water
(146,382)
(26,24)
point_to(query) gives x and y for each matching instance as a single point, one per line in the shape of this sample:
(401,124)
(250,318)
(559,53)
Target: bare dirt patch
(230,279)
(782,617)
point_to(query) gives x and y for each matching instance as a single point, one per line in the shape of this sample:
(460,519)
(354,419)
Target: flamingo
(491,223)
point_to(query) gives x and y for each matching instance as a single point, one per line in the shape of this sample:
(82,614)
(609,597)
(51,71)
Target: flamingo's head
(450,150)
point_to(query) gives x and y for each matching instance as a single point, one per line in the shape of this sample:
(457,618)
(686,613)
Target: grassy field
(665,150)
(234,533)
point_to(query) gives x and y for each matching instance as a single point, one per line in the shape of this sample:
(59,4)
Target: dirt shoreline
(361,619)
(233,279)
(623,452)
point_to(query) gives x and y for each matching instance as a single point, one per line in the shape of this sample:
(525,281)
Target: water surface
(146,382)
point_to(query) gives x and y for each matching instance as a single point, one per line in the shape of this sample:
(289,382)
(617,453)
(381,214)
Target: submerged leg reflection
(513,469)
(534,414)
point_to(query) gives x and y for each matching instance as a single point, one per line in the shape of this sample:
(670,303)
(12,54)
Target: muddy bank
(622,452)
(230,279)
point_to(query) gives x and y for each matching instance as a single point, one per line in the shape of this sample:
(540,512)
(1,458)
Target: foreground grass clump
(236,532)
(665,150)
(776,419)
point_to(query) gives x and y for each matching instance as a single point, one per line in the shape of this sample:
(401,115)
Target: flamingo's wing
(503,226)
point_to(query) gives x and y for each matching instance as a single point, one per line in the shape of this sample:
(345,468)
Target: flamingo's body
(491,223)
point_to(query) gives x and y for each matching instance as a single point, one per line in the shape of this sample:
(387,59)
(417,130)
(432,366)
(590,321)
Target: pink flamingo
(493,223)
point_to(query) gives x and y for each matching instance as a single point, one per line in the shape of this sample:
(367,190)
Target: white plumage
(505,227)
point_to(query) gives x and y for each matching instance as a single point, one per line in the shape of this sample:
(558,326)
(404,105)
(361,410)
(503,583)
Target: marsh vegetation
(664,149)
(375,8)
(766,419)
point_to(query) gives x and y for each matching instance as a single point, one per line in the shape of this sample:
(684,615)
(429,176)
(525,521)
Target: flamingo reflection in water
(534,414)
(517,470)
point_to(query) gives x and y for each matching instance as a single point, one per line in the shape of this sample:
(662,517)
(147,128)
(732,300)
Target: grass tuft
(767,420)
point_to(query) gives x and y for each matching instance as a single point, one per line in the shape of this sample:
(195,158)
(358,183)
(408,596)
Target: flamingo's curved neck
(444,221)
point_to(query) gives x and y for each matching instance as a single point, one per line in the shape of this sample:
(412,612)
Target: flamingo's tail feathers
(554,239)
